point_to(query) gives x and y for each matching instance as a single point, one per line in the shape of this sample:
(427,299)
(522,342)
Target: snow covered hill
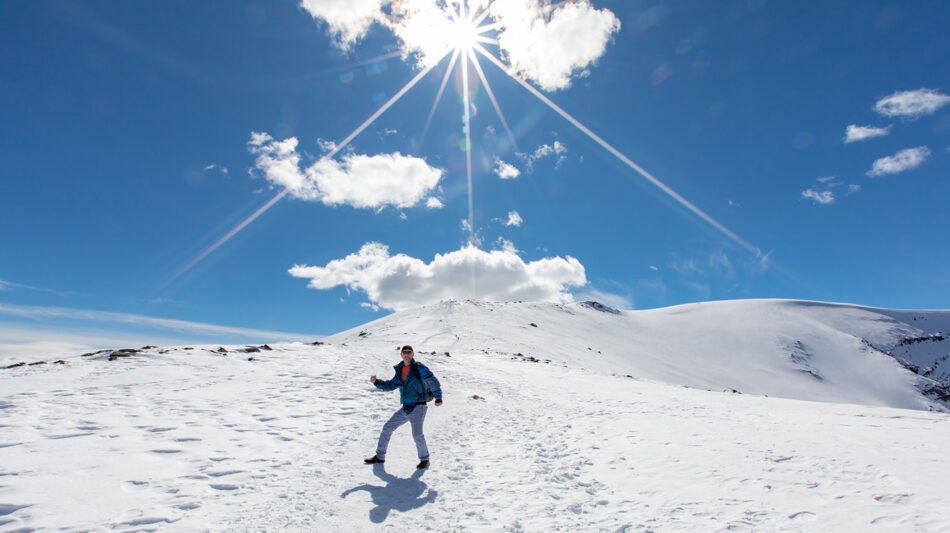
(271,438)
(791,349)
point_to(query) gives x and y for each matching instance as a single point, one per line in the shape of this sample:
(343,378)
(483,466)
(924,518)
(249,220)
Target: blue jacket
(412,391)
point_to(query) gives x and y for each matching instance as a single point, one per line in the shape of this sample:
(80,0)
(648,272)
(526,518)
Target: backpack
(426,393)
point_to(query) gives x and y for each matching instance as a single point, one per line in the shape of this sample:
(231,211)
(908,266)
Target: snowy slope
(197,439)
(791,349)
(194,440)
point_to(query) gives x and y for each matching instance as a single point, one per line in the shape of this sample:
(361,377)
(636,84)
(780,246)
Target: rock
(38,363)
(477,397)
(363,333)
(16,365)
(447,354)
(60,362)
(266,347)
(597,306)
(252,349)
(221,349)
(149,347)
(125,352)
(533,325)
(90,354)
(189,348)
(317,343)
(251,359)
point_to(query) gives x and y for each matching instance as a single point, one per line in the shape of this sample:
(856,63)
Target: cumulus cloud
(824,197)
(549,44)
(856,133)
(505,171)
(901,161)
(400,282)
(347,20)
(360,181)
(911,104)
(434,203)
(514,219)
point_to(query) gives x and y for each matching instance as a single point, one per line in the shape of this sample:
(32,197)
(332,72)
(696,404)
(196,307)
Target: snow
(192,439)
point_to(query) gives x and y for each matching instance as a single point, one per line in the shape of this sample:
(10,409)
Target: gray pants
(415,415)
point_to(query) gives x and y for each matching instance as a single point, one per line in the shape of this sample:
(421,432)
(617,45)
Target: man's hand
(438,402)
(372,379)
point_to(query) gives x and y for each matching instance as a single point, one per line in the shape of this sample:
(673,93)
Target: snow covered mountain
(785,348)
(556,418)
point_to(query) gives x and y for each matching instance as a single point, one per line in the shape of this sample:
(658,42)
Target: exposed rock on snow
(597,306)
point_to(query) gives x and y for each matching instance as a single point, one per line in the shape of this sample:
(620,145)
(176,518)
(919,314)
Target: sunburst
(456,30)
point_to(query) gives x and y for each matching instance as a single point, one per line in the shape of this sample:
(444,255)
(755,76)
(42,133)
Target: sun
(464,34)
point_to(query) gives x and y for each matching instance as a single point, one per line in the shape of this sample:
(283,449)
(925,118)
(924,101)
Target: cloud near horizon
(901,161)
(359,181)
(855,133)
(53,329)
(548,44)
(911,104)
(399,282)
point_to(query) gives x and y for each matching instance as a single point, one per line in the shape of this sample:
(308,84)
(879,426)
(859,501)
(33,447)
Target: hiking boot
(374,460)
(423,464)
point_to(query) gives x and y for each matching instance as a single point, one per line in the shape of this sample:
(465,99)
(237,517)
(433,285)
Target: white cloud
(434,203)
(551,43)
(856,133)
(400,282)
(33,338)
(506,245)
(547,149)
(899,162)
(424,28)
(824,197)
(514,219)
(826,179)
(347,20)
(360,181)
(853,188)
(9,285)
(911,104)
(654,268)
(505,171)
(544,42)
(557,148)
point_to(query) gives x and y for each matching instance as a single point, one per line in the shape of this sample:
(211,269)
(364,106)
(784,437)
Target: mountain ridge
(795,349)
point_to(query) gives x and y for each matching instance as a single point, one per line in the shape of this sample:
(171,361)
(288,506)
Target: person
(416,385)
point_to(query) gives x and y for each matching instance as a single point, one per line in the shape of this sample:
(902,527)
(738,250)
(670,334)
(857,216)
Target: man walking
(417,385)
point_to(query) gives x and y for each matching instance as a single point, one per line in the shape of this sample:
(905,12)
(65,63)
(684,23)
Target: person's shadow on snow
(399,494)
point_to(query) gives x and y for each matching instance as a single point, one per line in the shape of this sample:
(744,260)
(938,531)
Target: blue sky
(136,136)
